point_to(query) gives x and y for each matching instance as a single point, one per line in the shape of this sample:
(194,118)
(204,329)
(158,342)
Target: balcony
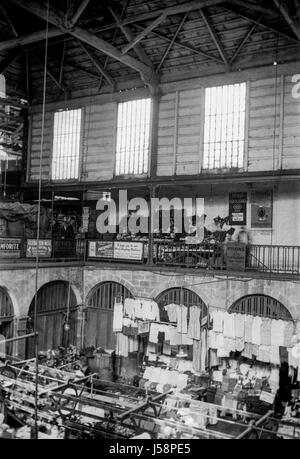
(226,258)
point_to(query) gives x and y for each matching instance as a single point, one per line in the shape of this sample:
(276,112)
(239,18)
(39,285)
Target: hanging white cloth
(118,317)
(218,319)
(194,329)
(181,319)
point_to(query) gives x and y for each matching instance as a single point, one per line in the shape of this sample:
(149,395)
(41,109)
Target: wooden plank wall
(273,136)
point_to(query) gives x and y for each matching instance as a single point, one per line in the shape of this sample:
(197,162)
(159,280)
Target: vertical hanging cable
(38,226)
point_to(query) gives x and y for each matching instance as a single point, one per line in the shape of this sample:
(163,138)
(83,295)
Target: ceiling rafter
(269,12)
(184,46)
(50,73)
(147,74)
(8,18)
(261,23)
(244,40)
(144,33)
(124,8)
(62,62)
(97,64)
(78,13)
(10,59)
(170,45)
(284,11)
(214,35)
(140,52)
(55,32)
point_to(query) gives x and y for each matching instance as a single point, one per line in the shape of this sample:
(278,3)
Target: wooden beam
(214,35)
(170,45)
(29,38)
(255,7)
(49,72)
(8,19)
(261,23)
(144,33)
(9,60)
(97,64)
(130,37)
(78,13)
(184,46)
(62,62)
(124,9)
(147,74)
(244,40)
(55,32)
(294,25)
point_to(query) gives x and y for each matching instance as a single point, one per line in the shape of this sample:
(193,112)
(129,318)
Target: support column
(80,322)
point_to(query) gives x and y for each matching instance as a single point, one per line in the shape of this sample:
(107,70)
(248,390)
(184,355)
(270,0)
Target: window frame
(149,156)
(80,154)
(244,161)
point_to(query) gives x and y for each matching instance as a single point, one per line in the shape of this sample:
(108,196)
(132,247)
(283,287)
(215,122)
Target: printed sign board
(237,209)
(128,250)
(235,256)
(101,249)
(10,247)
(45,248)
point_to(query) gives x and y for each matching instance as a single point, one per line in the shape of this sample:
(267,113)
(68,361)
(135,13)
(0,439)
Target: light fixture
(181,354)
(67,327)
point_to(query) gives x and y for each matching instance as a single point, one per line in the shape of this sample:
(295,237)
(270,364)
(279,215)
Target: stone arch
(56,307)
(100,303)
(261,305)
(178,295)
(110,277)
(7,316)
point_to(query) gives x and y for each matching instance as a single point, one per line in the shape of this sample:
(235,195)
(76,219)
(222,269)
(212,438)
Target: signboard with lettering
(10,247)
(128,250)
(45,248)
(100,249)
(237,209)
(235,256)
(261,209)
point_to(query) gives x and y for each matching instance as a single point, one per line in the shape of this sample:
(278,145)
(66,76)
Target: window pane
(133,137)
(66,145)
(224,128)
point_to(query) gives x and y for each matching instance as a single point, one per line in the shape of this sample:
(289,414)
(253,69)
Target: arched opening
(187,298)
(261,305)
(178,295)
(99,315)
(6,322)
(56,306)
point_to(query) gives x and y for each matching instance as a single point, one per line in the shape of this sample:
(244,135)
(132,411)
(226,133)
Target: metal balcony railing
(278,259)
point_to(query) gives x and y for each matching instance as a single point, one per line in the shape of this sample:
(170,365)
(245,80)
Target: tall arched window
(99,318)
(261,305)
(6,322)
(56,304)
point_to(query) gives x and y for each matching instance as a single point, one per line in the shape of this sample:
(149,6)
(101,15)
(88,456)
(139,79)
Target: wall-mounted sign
(45,248)
(128,250)
(237,209)
(100,249)
(10,247)
(261,209)
(235,256)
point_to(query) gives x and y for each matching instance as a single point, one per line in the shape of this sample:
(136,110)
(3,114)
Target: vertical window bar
(224,132)
(133,137)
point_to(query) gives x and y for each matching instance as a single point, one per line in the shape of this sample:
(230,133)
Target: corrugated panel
(291,127)
(263,147)
(166,135)
(188,137)
(99,148)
